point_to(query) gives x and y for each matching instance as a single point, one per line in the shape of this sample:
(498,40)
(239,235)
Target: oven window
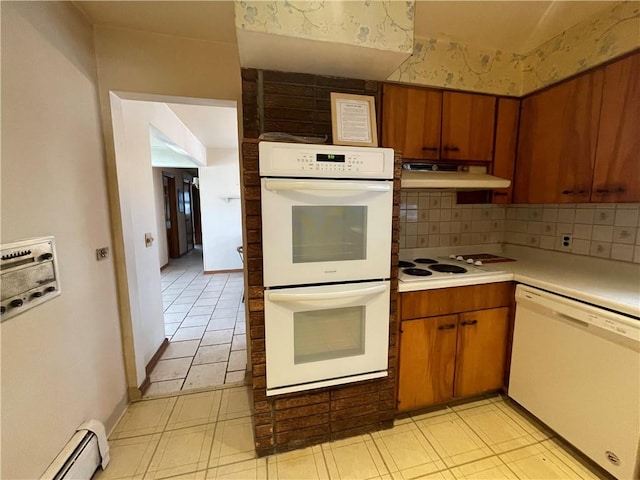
(329,233)
(328,334)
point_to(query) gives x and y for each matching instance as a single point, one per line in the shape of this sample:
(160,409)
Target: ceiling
(512,26)
(215,126)
(205,20)
(515,26)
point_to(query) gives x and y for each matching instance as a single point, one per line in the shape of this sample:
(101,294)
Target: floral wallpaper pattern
(388,25)
(455,65)
(583,46)
(441,63)
(381,24)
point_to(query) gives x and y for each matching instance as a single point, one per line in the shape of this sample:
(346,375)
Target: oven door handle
(301,185)
(301,297)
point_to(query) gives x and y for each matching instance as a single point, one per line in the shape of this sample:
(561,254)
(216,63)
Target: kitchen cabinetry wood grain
(443,301)
(427,359)
(557,142)
(481,351)
(617,164)
(411,121)
(460,354)
(467,126)
(504,156)
(427,124)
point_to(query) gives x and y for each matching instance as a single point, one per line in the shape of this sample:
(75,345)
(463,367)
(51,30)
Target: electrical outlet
(566,240)
(148,240)
(102,253)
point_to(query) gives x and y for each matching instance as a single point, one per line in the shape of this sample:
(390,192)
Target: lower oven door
(326,335)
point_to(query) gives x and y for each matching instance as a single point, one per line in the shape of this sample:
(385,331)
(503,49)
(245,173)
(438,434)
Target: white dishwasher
(576,367)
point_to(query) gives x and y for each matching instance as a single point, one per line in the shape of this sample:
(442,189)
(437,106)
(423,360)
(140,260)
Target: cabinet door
(467,126)
(617,168)
(411,121)
(427,356)
(557,142)
(481,351)
(504,156)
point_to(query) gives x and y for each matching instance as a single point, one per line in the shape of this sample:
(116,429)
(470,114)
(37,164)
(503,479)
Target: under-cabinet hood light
(452,177)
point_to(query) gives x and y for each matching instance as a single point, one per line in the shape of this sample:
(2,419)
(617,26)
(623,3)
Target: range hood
(451,177)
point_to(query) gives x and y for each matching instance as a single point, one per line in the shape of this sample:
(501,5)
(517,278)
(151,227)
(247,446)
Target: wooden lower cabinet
(427,361)
(451,356)
(481,351)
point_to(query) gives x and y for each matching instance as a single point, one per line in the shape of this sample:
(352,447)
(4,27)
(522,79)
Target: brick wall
(295,103)
(300,419)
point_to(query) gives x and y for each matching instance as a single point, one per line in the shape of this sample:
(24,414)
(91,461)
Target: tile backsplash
(434,219)
(598,230)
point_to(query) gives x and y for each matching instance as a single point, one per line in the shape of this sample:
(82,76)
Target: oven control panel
(29,275)
(331,161)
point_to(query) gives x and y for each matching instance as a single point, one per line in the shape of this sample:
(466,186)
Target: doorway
(148,209)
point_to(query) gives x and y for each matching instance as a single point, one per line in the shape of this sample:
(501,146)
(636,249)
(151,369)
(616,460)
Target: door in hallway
(170,214)
(188,214)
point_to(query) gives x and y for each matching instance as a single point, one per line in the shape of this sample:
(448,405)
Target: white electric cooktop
(423,269)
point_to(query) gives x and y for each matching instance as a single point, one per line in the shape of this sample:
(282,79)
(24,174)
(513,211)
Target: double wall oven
(326,241)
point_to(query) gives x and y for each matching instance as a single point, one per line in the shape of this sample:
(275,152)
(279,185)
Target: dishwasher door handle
(569,318)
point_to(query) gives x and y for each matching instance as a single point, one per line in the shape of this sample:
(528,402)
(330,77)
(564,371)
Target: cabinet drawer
(443,301)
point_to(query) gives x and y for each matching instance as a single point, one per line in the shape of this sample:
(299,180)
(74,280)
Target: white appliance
(326,242)
(326,335)
(327,225)
(577,368)
(450,270)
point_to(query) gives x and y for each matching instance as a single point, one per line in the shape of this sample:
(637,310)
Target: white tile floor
(205,323)
(210,435)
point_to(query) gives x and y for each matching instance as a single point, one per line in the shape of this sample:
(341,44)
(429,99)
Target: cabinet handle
(567,192)
(447,148)
(430,149)
(606,191)
(500,194)
(573,192)
(469,322)
(448,326)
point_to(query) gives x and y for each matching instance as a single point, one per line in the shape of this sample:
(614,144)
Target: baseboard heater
(82,455)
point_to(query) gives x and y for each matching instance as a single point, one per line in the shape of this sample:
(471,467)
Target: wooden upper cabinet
(504,156)
(467,126)
(481,351)
(617,168)
(411,121)
(427,359)
(557,142)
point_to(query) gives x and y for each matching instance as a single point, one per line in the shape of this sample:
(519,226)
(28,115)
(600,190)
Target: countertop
(606,283)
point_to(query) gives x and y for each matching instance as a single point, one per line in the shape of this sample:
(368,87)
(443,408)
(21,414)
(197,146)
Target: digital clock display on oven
(329,157)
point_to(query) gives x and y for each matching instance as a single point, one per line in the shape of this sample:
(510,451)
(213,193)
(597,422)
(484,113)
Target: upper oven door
(320,231)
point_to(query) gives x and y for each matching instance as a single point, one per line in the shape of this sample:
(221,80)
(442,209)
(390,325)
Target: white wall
(61,362)
(221,219)
(162,246)
(131,120)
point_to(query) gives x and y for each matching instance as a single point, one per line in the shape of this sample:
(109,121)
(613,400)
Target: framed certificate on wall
(353,120)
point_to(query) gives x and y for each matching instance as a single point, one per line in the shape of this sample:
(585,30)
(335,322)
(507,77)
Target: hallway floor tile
(205,324)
